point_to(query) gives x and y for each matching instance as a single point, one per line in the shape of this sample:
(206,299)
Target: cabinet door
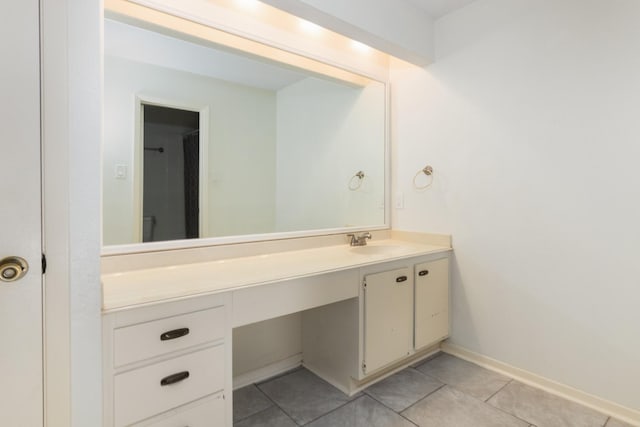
(431,302)
(388,318)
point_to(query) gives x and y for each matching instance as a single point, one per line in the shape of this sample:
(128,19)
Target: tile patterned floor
(443,391)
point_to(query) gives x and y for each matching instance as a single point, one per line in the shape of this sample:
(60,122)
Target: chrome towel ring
(428,171)
(356,181)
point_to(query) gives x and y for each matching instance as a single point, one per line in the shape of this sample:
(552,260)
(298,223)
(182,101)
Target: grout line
(285,412)
(255,413)
(499,390)
(485,402)
(407,419)
(333,410)
(273,401)
(606,422)
(420,400)
(288,416)
(433,377)
(504,411)
(514,415)
(393,410)
(365,391)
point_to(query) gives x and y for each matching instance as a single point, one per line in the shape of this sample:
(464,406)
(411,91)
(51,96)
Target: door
(432,302)
(21,394)
(170,177)
(388,318)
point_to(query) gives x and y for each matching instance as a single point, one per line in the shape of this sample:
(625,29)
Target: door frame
(71,134)
(138,159)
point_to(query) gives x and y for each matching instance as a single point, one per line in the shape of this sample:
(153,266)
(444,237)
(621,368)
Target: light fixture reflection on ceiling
(309,27)
(247,4)
(360,47)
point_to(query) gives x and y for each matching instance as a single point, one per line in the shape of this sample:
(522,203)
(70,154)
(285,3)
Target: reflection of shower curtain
(191,148)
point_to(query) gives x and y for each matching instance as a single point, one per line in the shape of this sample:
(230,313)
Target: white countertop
(177,281)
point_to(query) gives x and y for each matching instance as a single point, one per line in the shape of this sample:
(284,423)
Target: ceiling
(439,8)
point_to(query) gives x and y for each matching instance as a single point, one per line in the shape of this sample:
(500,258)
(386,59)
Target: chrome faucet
(360,240)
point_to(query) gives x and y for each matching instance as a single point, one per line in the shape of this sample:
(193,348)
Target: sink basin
(376,249)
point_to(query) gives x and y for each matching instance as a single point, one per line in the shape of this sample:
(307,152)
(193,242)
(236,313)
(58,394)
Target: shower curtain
(191,149)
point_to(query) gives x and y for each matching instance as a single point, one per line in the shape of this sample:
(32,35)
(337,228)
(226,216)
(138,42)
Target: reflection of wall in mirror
(326,133)
(241,173)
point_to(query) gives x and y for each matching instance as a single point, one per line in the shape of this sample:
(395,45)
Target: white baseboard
(268,371)
(612,409)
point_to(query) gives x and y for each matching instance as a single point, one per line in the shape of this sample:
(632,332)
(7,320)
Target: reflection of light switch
(400,201)
(121,172)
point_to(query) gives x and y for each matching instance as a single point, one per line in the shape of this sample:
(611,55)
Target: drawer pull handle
(401,279)
(176,333)
(174,378)
(423,273)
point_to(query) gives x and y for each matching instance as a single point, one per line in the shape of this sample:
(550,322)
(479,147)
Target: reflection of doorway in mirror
(171,163)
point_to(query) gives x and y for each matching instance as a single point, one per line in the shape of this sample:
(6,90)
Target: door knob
(13,268)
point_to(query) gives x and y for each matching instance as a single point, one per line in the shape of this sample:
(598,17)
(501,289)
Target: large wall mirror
(204,143)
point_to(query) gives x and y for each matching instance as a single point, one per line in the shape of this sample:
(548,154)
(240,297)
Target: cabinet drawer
(150,339)
(206,413)
(139,394)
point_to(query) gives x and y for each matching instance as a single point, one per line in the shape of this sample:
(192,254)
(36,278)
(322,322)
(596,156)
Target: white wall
(242,135)
(530,120)
(326,133)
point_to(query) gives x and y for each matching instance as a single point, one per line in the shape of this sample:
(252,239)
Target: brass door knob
(13,268)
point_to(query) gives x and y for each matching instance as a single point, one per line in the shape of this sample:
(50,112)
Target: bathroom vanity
(366,311)
(256,234)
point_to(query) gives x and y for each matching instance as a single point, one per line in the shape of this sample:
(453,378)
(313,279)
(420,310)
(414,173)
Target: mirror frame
(136,248)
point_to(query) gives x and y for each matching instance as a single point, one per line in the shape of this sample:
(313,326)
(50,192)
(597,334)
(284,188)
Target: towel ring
(356,181)
(428,171)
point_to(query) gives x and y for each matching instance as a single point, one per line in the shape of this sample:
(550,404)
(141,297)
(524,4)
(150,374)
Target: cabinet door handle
(423,273)
(174,378)
(172,335)
(401,279)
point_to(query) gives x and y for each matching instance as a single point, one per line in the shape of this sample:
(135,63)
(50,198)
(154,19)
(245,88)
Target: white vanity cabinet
(169,364)
(402,310)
